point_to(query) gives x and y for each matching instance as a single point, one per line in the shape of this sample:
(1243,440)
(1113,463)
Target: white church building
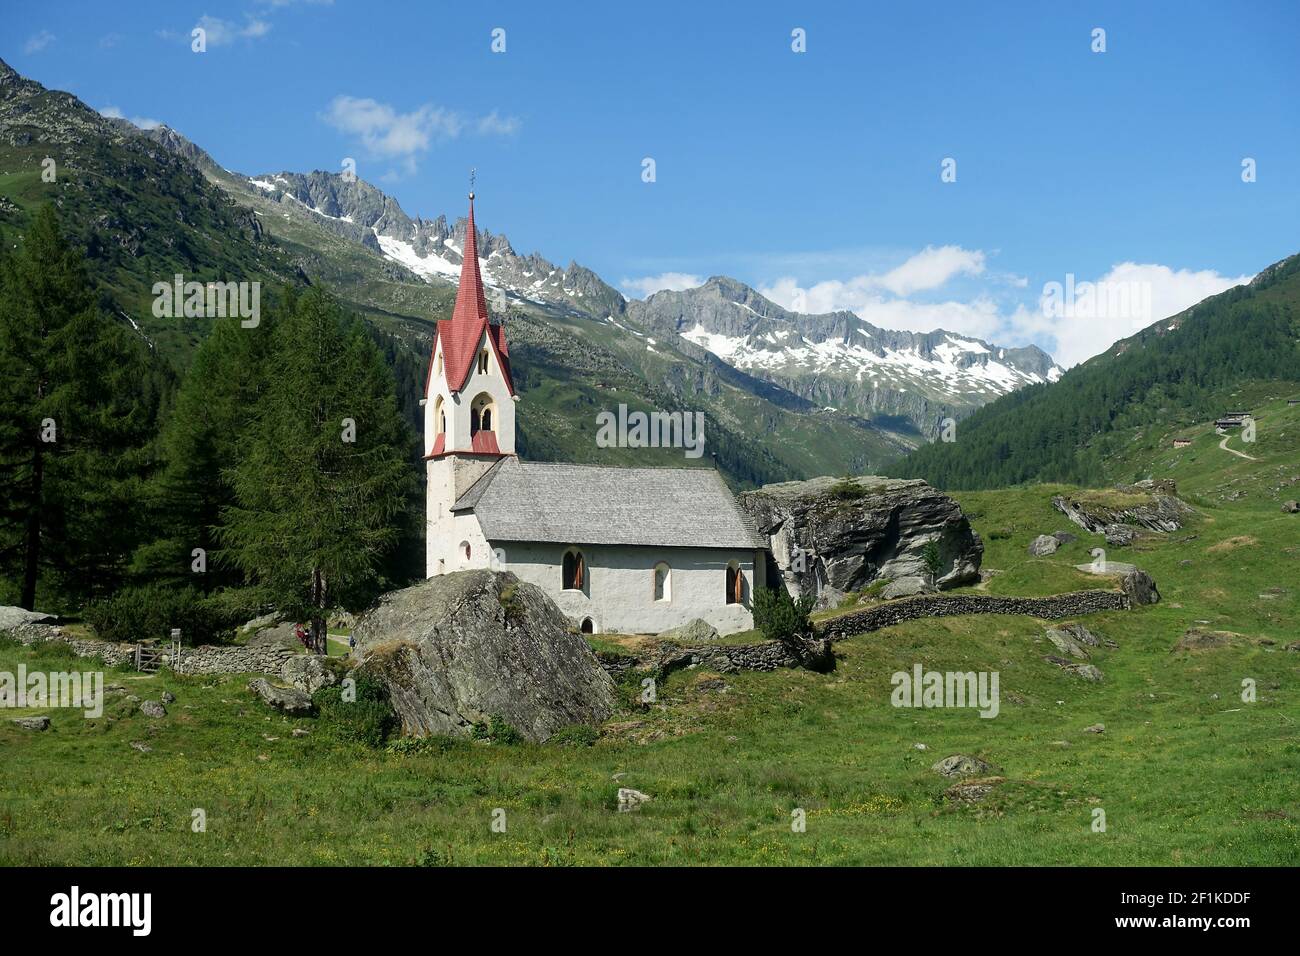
(624,550)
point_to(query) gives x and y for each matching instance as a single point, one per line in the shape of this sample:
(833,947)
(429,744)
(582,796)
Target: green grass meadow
(1186,772)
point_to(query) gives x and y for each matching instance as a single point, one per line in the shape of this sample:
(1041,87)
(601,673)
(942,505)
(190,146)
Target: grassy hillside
(1236,346)
(1186,772)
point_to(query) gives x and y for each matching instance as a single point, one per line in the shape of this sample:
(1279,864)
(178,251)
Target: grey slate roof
(593,504)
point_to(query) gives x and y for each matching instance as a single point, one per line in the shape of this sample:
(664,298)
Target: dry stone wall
(1073,604)
(205,659)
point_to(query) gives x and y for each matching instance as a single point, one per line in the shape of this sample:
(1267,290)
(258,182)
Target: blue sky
(812,176)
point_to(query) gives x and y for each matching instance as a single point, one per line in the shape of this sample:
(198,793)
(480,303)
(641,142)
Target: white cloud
(930,268)
(389,134)
(221,32)
(38,41)
(496,125)
(141,121)
(647,286)
(1097,313)
(1126,299)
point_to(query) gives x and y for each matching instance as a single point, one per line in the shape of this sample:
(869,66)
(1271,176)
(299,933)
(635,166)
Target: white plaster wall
(619,595)
(449,478)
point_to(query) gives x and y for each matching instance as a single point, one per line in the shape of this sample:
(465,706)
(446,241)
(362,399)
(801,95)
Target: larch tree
(323,472)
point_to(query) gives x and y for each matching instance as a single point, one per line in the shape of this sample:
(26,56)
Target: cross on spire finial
(471,182)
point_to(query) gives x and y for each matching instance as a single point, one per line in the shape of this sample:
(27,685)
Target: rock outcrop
(459,649)
(830,536)
(1153,506)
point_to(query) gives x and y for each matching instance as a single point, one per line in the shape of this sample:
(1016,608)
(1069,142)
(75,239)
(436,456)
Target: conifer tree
(214,406)
(323,471)
(78,403)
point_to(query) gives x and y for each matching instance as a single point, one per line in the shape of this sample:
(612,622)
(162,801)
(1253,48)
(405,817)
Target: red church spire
(471,304)
(469,319)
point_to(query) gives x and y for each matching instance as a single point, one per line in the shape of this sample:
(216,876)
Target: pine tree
(214,406)
(78,404)
(323,472)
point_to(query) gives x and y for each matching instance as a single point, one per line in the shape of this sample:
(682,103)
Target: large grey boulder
(1043,545)
(31,723)
(461,648)
(287,700)
(830,537)
(15,617)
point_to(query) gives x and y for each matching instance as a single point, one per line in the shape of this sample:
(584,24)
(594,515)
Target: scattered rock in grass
(1293,646)
(31,723)
(300,732)
(287,700)
(168,697)
(1291,507)
(151,708)
(920,747)
(1095,729)
(269,739)
(1196,639)
(972,791)
(1064,537)
(960,765)
(1043,545)
(141,746)
(629,799)
(1065,643)
(1087,671)
(1140,587)
(114,688)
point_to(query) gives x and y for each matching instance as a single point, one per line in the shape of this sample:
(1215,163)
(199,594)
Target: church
(622,550)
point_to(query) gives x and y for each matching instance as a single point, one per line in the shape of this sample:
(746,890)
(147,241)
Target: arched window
(481,414)
(735,584)
(483,362)
(663,582)
(437,364)
(588,626)
(574,571)
(465,549)
(439,416)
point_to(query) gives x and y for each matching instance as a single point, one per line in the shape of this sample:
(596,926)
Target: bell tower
(469,415)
